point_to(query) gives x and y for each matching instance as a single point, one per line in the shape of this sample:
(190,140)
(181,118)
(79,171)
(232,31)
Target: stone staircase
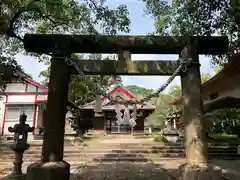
(116,151)
(111,150)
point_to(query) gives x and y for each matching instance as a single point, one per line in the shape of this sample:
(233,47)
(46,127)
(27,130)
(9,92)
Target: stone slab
(48,171)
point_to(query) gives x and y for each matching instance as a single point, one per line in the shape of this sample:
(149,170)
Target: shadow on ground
(121,155)
(125,167)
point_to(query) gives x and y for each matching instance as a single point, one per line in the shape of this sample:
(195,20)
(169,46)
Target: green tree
(59,16)
(205,77)
(197,18)
(176,91)
(56,16)
(80,91)
(218,68)
(160,114)
(158,117)
(138,90)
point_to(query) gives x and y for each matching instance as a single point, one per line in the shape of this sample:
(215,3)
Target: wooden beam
(42,43)
(109,67)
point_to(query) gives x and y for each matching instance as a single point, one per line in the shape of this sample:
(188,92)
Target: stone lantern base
(196,172)
(48,171)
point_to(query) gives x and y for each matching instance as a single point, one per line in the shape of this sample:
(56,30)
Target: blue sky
(141,24)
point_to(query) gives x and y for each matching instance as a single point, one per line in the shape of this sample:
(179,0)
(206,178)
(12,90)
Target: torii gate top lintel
(45,43)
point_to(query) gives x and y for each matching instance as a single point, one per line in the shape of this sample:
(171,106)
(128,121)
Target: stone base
(48,171)
(15,177)
(203,171)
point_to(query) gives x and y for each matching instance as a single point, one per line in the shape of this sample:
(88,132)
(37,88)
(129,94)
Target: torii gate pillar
(196,146)
(52,166)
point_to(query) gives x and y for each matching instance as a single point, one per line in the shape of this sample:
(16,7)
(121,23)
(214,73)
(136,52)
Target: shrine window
(13,112)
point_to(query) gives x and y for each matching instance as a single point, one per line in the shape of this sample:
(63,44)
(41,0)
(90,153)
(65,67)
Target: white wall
(41,90)
(18,99)
(15,87)
(15,117)
(42,97)
(21,87)
(31,88)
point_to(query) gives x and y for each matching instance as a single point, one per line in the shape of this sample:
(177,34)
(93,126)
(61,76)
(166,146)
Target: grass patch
(145,135)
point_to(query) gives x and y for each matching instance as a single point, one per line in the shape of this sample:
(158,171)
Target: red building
(22,94)
(108,122)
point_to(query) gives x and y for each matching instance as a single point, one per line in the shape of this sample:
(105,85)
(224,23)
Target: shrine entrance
(62,65)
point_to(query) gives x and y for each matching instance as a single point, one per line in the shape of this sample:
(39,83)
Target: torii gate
(52,165)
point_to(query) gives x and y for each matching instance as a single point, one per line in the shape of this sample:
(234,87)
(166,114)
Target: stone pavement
(114,161)
(97,170)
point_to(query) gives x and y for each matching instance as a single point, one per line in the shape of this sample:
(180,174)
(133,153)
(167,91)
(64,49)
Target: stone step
(78,162)
(73,150)
(89,156)
(118,150)
(124,145)
(128,147)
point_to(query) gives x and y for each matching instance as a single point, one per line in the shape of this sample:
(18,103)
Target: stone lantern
(18,146)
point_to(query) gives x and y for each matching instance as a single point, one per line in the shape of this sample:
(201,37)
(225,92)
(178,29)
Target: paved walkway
(92,170)
(119,170)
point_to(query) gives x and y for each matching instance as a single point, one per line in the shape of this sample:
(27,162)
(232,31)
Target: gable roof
(123,94)
(4,69)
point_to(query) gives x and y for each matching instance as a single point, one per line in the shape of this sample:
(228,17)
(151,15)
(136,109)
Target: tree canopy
(59,16)
(56,16)
(198,18)
(81,89)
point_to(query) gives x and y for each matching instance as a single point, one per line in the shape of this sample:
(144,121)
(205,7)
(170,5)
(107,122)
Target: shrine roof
(10,72)
(229,69)
(125,95)
(227,72)
(222,102)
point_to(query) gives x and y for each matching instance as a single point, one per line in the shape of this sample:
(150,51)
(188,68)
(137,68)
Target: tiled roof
(107,105)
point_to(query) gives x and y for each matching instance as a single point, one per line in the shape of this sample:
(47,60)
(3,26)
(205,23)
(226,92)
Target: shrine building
(108,122)
(22,94)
